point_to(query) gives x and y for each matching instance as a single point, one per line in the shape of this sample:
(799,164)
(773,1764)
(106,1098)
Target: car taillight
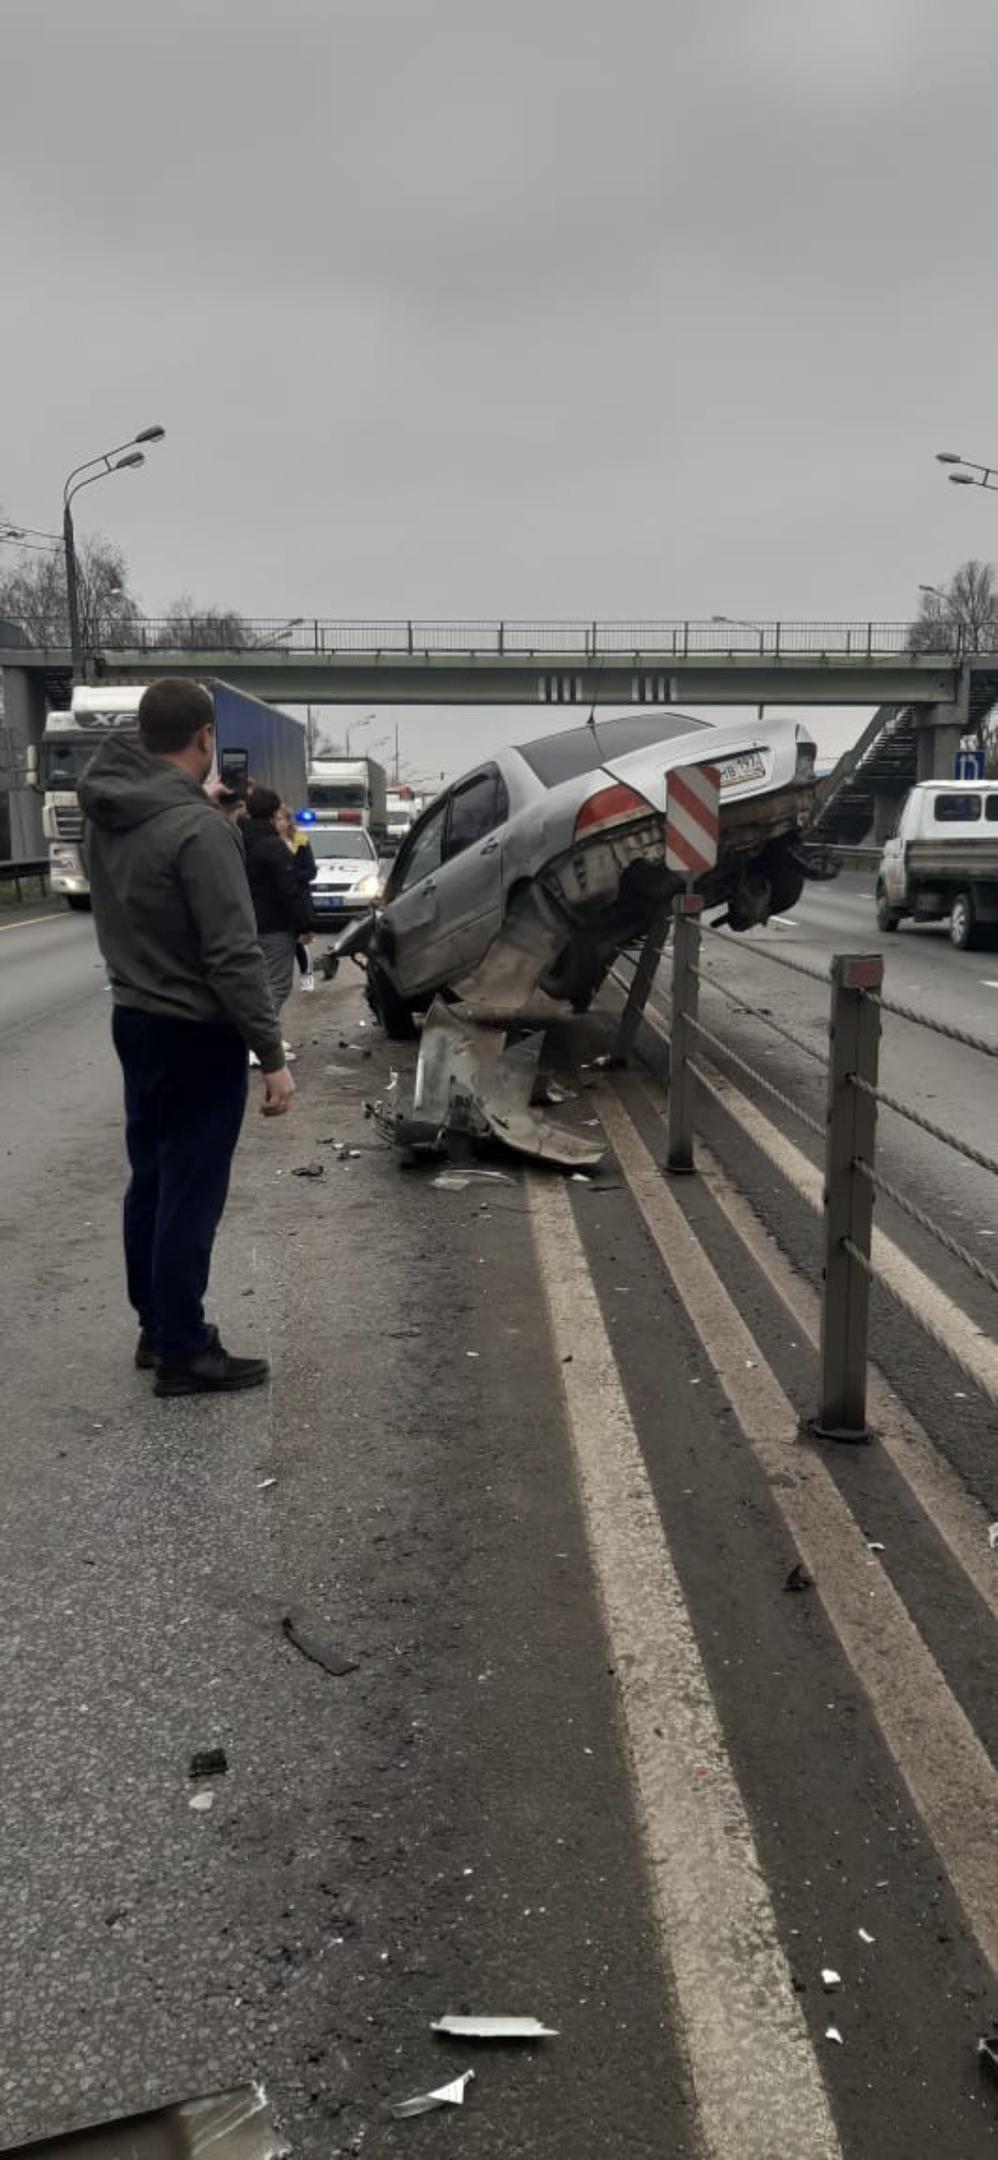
(612,806)
(348,817)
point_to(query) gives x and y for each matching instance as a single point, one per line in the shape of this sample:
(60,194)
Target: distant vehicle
(348,878)
(403,808)
(349,791)
(253,741)
(943,860)
(534,871)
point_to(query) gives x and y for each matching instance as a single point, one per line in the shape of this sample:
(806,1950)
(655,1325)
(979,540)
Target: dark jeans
(185,1094)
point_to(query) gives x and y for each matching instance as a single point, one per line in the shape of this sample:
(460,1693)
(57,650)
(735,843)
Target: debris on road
(310,1169)
(265,1484)
(865,1936)
(444,2096)
(874,1545)
(798,1578)
(327,1655)
(201,1802)
(830,1979)
(235,2125)
(475,1082)
(987,2056)
(209,1762)
(832,2033)
(993,1536)
(494,2028)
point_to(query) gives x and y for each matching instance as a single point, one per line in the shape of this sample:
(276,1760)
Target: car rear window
(582,750)
(957,809)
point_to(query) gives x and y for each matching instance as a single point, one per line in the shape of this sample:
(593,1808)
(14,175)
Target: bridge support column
(23,725)
(885,809)
(940,733)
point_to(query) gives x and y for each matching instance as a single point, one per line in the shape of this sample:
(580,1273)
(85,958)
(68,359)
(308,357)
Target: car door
(470,881)
(411,904)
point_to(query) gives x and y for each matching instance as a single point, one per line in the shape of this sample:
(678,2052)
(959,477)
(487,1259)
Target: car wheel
(887,917)
(962,925)
(78,901)
(389,1009)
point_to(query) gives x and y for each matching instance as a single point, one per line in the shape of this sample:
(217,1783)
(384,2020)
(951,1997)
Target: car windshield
(582,750)
(63,762)
(339,843)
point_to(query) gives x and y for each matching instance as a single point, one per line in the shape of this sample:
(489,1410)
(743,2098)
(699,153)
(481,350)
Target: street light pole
(119,459)
(988,474)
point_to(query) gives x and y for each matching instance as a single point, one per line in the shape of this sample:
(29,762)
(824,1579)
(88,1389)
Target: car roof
(576,751)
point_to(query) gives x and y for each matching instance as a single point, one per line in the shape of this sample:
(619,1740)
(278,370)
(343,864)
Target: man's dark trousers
(185,1094)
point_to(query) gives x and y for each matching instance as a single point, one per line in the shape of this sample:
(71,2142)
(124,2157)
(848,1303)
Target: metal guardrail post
(854,1048)
(644,975)
(687,909)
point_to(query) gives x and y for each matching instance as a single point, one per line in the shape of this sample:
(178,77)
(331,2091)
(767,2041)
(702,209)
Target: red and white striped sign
(693,796)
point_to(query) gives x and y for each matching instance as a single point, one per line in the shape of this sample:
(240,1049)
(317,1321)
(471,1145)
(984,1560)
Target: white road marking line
(959,1520)
(987,984)
(31,922)
(785,922)
(977,1351)
(947,1771)
(758,2086)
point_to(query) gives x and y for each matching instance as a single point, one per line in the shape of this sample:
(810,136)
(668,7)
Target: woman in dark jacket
(306,869)
(280,898)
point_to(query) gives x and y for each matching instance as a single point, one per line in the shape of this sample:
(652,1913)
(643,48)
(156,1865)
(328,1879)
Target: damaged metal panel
(470,1079)
(233,2125)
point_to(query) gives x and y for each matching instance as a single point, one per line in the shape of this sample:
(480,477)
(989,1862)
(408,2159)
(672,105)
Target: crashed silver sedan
(527,877)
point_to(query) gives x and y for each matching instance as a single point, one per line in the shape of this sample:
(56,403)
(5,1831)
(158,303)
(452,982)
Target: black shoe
(145,1355)
(212,1372)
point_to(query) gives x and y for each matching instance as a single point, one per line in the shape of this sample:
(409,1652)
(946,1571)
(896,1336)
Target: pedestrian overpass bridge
(556,663)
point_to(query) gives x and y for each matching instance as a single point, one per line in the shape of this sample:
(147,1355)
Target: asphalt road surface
(531,1465)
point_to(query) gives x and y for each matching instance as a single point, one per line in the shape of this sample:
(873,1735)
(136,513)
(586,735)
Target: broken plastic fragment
(494,2028)
(832,2033)
(310,1169)
(830,1978)
(265,1484)
(332,1660)
(230,2125)
(449,1181)
(874,1545)
(444,2096)
(201,1802)
(209,1762)
(798,1578)
(993,1536)
(865,1936)
(987,2056)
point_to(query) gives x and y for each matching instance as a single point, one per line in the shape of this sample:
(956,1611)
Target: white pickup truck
(943,860)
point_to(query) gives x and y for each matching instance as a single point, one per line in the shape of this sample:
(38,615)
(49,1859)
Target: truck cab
(942,860)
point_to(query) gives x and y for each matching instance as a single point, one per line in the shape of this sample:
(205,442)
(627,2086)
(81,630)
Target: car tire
(78,901)
(389,1009)
(962,923)
(888,918)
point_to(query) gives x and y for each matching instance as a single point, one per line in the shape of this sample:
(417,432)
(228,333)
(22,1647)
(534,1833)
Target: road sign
(968,765)
(693,796)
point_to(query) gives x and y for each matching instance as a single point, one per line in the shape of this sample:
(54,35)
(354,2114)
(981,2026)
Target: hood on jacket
(124,786)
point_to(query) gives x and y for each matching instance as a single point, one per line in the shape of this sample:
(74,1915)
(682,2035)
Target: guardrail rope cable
(940,1339)
(926,1222)
(802,1116)
(938,1027)
(935,1132)
(796,1042)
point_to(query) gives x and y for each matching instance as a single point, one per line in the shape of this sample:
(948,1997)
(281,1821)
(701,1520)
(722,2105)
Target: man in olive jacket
(191,999)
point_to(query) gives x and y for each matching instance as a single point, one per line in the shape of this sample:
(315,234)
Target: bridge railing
(316,637)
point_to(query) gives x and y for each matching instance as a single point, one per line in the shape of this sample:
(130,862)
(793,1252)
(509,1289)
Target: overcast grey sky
(585,307)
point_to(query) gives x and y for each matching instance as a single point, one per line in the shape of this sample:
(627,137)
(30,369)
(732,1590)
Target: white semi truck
(943,860)
(350,791)
(253,741)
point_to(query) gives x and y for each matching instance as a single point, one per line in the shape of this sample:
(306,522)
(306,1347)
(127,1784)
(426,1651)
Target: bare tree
(33,594)
(187,627)
(962,616)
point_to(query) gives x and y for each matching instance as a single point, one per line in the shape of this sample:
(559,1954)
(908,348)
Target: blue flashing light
(306,817)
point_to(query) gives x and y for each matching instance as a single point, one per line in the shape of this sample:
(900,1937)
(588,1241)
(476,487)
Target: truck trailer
(253,741)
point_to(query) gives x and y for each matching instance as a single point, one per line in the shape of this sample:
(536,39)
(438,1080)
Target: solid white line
(986,983)
(951,1780)
(758,2087)
(31,921)
(940,1315)
(956,1517)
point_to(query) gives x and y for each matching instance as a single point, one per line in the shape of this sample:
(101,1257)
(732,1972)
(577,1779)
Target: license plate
(327,900)
(736,771)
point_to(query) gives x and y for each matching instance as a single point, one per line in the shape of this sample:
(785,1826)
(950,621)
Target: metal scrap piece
(233,2125)
(494,2028)
(470,1078)
(445,2096)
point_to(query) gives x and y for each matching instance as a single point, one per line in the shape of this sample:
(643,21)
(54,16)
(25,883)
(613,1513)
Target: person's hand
(305,937)
(278,1088)
(219,791)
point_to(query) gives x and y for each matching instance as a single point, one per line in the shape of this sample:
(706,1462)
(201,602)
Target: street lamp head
(934,590)
(946,457)
(135,457)
(150,434)
(962,479)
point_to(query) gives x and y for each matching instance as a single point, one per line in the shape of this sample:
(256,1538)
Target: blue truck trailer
(253,741)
